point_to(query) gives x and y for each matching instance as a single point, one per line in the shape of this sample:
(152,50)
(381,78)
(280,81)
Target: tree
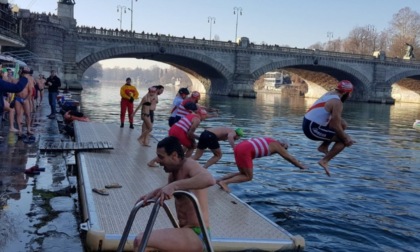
(361,40)
(405,28)
(94,71)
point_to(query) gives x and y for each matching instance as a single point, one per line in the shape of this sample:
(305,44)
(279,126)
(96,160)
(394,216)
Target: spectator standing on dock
(23,102)
(128,94)
(210,138)
(159,91)
(11,88)
(323,122)
(180,97)
(53,83)
(40,81)
(145,105)
(184,174)
(253,148)
(9,100)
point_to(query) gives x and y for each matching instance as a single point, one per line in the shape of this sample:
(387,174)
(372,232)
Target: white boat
(416,125)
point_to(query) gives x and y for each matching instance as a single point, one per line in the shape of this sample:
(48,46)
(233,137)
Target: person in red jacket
(128,94)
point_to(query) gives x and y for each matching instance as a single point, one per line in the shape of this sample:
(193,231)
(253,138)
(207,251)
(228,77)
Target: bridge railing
(231,45)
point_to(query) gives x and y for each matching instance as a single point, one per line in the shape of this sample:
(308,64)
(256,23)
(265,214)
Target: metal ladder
(152,219)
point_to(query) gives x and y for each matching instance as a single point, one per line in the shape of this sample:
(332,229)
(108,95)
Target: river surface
(371,202)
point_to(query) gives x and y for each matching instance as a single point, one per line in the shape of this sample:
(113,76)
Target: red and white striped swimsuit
(247,150)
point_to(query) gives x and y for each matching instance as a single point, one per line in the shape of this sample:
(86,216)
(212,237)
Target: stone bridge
(224,68)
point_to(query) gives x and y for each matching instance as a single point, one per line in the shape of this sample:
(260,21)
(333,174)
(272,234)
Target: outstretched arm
(276,147)
(13,88)
(199,178)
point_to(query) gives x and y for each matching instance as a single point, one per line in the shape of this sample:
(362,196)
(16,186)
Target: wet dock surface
(38,212)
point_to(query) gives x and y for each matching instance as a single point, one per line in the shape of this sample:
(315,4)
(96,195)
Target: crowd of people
(18,104)
(175,153)
(180,151)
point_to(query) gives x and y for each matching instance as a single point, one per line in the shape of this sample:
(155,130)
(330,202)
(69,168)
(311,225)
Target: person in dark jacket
(53,83)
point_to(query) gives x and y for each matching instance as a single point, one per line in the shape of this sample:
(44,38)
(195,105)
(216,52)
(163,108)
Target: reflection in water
(369,204)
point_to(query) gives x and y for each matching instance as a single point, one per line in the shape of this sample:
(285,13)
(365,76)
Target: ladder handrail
(152,219)
(132,216)
(194,200)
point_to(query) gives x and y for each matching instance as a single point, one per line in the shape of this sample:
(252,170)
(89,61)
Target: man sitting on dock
(210,138)
(184,174)
(253,148)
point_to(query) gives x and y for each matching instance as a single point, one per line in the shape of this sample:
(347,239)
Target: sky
(294,23)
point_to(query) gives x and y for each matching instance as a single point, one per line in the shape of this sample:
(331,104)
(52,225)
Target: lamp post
(371,29)
(237,11)
(211,20)
(131,10)
(330,35)
(120,9)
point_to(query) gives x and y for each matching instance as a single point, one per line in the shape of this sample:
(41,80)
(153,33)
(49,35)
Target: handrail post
(149,226)
(128,226)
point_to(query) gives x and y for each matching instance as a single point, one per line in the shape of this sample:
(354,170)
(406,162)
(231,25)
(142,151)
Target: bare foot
(323,148)
(223,186)
(13,130)
(146,145)
(325,166)
(152,164)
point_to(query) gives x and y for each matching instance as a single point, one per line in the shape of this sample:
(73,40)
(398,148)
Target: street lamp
(237,11)
(211,20)
(330,35)
(120,9)
(372,30)
(131,9)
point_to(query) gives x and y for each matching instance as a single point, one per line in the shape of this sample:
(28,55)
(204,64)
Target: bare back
(27,91)
(41,83)
(222,133)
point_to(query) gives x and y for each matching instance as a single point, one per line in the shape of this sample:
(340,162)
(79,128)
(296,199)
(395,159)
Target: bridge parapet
(154,37)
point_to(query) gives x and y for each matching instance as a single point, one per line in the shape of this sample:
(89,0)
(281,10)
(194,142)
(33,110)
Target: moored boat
(416,125)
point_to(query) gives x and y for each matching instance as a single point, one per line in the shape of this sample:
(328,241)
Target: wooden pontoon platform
(235,225)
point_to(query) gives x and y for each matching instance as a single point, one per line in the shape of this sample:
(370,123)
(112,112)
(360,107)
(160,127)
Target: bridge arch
(207,70)
(334,69)
(402,75)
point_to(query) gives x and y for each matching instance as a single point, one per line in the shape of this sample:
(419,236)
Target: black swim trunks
(317,132)
(208,140)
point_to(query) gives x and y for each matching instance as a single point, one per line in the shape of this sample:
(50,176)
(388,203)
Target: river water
(371,202)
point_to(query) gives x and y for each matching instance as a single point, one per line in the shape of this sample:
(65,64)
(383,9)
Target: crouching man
(184,174)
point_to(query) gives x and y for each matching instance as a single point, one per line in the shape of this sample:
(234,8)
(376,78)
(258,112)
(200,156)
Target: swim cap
(239,132)
(191,106)
(184,91)
(195,94)
(285,142)
(344,86)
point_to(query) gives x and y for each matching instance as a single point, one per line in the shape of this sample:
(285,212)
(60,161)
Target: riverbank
(38,212)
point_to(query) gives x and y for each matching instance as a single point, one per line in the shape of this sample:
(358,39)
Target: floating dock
(235,226)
